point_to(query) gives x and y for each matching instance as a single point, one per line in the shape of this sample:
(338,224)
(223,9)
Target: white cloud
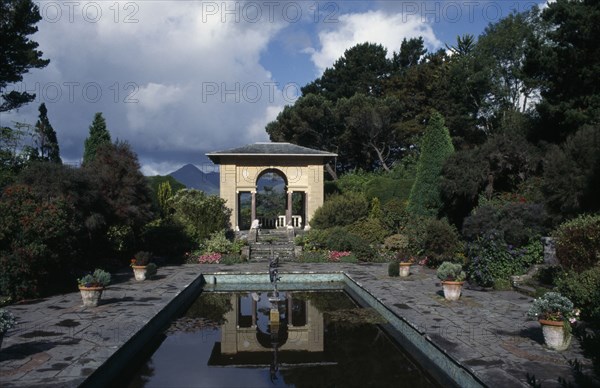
(256,129)
(172,82)
(374,27)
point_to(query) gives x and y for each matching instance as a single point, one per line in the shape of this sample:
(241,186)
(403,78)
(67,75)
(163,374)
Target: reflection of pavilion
(249,338)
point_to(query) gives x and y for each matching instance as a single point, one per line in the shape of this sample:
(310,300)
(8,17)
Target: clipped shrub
(415,230)
(584,290)
(338,239)
(436,147)
(315,239)
(393,269)
(440,242)
(369,229)
(394,215)
(396,242)
(151,270)
(375,210)
(364,251)
(578,243)
(340,210)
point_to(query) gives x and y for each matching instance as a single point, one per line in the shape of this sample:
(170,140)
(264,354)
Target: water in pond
(299,339)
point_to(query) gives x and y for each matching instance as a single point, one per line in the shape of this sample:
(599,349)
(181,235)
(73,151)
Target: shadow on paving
(27,349)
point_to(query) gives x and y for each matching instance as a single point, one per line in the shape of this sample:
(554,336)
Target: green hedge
(584,290)
(578,243)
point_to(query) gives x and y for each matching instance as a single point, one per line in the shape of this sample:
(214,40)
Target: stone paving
(58,342)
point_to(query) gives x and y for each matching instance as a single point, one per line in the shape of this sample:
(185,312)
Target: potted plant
(452,277)
(7,321)
(92,285)
(556,314)
(139,264)
(404,261)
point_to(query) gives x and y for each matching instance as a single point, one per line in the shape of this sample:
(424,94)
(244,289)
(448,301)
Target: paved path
(59,343)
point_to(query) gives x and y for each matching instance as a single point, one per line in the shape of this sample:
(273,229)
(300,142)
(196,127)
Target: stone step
(273,235)
(273,244)
(263,252)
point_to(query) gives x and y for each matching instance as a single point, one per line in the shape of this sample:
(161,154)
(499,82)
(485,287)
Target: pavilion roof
(269,149)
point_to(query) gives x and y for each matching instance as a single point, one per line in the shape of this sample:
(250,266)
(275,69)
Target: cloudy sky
(177,79)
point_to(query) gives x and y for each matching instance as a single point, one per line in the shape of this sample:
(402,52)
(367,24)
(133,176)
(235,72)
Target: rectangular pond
(289,338)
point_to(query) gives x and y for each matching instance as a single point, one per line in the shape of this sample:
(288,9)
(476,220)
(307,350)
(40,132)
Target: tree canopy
(46,137)
(98,137)
(19,53)
(361,69)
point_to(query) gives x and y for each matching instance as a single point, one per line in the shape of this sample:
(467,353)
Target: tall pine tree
(436,147)
(99,136)
(19,53)
(47,141)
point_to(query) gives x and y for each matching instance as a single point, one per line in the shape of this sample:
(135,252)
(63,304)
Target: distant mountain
(193,178)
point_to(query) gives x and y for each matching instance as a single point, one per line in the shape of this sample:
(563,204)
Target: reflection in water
(268,323)
(316,339)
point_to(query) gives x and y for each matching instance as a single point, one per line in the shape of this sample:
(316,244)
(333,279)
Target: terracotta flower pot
(91,295)
(555,335)
(452,290)
(404,269)
(139,271)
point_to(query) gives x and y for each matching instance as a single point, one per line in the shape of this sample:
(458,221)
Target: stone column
(290,307)
(288,212)
(253,206)
(305,220)
(253,313)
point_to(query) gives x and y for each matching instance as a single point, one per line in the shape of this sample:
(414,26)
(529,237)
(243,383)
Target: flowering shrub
(38,242)
(491,259)
(336,256)
(552,306)
(210,258)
